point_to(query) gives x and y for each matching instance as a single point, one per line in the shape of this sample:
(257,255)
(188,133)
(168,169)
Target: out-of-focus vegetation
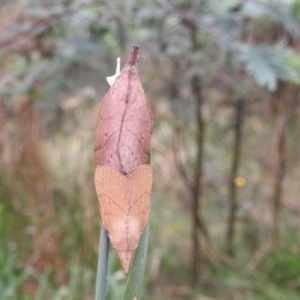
(222,79)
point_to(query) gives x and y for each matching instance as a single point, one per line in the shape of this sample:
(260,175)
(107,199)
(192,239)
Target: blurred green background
(222,78)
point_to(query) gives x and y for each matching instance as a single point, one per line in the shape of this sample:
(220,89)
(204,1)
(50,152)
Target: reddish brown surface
(123,177)
(124,123)
(124,206)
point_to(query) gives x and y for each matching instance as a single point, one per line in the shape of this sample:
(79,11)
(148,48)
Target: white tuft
(111,79)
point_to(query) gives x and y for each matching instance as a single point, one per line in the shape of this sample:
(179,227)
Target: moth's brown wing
(140,182)
(124,124)
(124,202)
(112,192)
(111,188)
(139,189)
(108,126)
(134,141)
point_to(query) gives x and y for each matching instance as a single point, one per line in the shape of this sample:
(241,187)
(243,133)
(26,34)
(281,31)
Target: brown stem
(179,165)
(199,233)
(198,226)
(233,204)
(133,55)
(280,163)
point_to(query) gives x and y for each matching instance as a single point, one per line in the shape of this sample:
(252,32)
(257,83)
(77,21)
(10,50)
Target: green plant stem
(101,279)
(137,269)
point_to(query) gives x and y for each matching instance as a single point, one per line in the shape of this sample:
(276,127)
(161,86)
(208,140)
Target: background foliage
(222,79)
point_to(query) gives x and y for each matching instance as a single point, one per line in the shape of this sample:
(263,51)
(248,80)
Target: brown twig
(133,55)
(233,203)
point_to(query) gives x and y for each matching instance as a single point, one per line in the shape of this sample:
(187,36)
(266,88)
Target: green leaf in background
(268,64)
(278,12)
(292,59)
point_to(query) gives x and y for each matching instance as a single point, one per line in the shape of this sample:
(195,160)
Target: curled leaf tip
(133,55)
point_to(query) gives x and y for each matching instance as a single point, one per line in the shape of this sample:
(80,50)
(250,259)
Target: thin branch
(179,165)
(233,203)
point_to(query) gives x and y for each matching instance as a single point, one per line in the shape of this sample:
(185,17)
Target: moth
(123,175)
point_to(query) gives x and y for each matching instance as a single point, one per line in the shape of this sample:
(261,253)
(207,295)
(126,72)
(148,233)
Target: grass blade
(101,279)
(137,269)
